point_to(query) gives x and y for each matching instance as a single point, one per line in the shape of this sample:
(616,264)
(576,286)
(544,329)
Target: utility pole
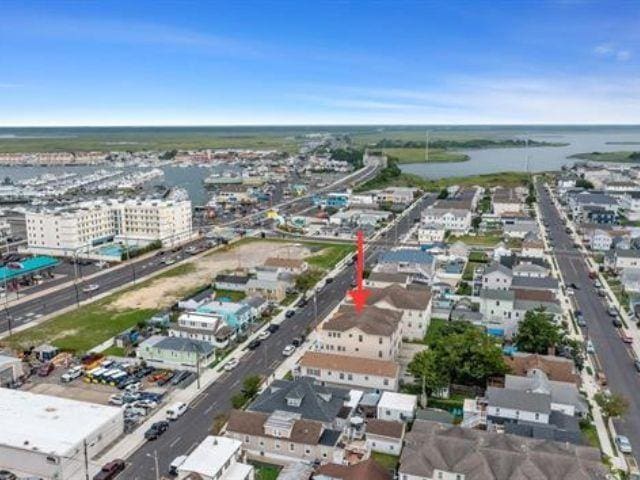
(86,459)
(155,459)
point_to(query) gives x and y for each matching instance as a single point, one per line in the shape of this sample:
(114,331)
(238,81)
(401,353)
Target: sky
(272,62)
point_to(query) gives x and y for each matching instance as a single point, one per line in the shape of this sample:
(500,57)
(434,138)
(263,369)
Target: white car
(263,335)
(92,287)
(116,399)
(590,348)
(231,364)
(623,444)
(133,387)
(169,261)
(288,350)
(71,374)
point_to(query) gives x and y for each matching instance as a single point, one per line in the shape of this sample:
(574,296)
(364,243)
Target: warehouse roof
(48,424)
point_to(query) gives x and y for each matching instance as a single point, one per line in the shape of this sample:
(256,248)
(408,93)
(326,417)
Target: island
(618,156)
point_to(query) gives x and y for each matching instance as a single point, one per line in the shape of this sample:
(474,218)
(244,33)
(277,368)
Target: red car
(45,369)
(110,470)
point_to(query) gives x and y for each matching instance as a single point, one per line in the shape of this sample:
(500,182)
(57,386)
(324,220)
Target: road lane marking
(172,444)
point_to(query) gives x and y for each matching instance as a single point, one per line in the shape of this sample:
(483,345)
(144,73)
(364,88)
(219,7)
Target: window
(385,381)
(537,416)
(292,447)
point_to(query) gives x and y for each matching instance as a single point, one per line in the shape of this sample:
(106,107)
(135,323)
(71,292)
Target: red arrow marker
(359,294)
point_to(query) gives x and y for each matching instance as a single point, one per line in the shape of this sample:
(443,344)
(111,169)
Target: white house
(397,407)
(217,458)
(384,436)
(430,234)
(497,277)
(452,219)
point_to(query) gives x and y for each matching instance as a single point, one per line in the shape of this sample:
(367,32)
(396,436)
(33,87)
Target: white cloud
(609,50)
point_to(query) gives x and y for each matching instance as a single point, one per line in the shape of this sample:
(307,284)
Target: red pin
(359,294)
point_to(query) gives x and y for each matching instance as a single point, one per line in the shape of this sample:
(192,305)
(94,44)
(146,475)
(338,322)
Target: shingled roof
(372,320)
(252,423)
(367,470)
(401,297)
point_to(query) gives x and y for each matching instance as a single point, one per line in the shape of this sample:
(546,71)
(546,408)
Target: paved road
(194,426)
(48,303)
(614,356)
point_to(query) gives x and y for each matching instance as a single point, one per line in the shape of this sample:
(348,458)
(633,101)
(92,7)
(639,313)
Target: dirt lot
(164,292)
(78,390)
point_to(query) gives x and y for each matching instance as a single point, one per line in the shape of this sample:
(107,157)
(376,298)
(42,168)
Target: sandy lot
(164,292)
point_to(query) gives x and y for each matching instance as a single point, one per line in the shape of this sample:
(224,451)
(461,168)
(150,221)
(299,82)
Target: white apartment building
(204,326)
(65,232)
(430,234)
(453,219)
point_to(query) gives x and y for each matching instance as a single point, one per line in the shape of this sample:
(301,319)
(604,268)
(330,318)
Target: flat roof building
(51,437)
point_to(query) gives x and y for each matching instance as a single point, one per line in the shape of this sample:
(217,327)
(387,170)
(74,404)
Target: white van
(176,410)
(177,462)
(71,374)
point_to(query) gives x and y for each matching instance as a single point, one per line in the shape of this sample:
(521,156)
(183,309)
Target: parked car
(263,335)
(273,327)
(177,462)
(590,348)
(71,374)
(636,364)
(616,322)
(156,430)
(134,387)
(623,444)
(626,338)
(612,311)
(288,350)
(297,341)
(46,369)
(574,286)
(593,275)
(116,399)
(7,475)
(253,344)
(110,470)
(290,313)
(231,364)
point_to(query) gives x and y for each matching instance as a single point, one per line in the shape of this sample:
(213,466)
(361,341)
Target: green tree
(582,183)
(537,333)
(251,385)
(476,221)
(612,405)
(444,193)
(425,369)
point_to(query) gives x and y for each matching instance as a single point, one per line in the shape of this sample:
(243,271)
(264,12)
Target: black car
(297,341)
(302,302)
(290,313)
(253,344)
(617,322)
(636,363)
(329,280)
(7,475)
(574,286)
(273,327)
(156,430)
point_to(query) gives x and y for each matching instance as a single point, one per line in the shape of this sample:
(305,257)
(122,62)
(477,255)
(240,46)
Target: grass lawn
(389,462)
(178,271)
(417,155)
(114,351)
(265,471)
(454,403)
(488,240)
(230,294)
(478,257)
(82,329)
(589,433)
(469,270)
(330,256)
(616,288)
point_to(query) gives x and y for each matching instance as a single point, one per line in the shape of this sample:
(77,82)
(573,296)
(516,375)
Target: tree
(612,405)
(444,193)
(537,333)
(464,289)
(425,369)
(476,221)
(583,183)
(251,385)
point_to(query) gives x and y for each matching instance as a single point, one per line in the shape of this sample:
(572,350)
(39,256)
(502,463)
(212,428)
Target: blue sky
(322,62)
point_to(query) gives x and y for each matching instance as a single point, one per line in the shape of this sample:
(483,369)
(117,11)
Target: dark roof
(408,255)
(385,428)
(252,423)
(435,415)
(329,438)
(372,320)
(519,400)
(239,279)
(317,402)
(185,345)
(366,470)
(534,283)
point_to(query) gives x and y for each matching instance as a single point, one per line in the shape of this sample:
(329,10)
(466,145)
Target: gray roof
(498,267)
(518,400)
(595,198)
(185,345)
(317,402)
(533,283)
(481,455)
(537,381)
(495,294)
(628,253)
(550,307)
(406,255)
(239,279)
(529,267)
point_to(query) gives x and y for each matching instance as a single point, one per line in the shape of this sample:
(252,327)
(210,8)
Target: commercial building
(51,437)
(81,229)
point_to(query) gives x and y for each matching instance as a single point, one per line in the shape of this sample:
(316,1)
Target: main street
(60,297)
(184,434)
(614,356)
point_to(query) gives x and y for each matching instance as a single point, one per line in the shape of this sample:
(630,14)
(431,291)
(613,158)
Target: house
(630,279)
(203,326)
(413,302)
(428,234)
(451,219)
(282,437)
(294,266)
(397,407)
(435,451)
(330,369)
(557,369)
(275,290)
(407,260)
(532,246)
(175,353)
(379,279)
(599,215)
(520,229)
(373,333)
(534,283)
(624,258)
(238,316)
(501,251)
(497,277)
(234,283)
(397,195)
(506,200)
(530,270)
(599,240)
(216,458)
(366,470)
(580,202)
(257,304)
(306,398)
(335,200)
(385,436)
